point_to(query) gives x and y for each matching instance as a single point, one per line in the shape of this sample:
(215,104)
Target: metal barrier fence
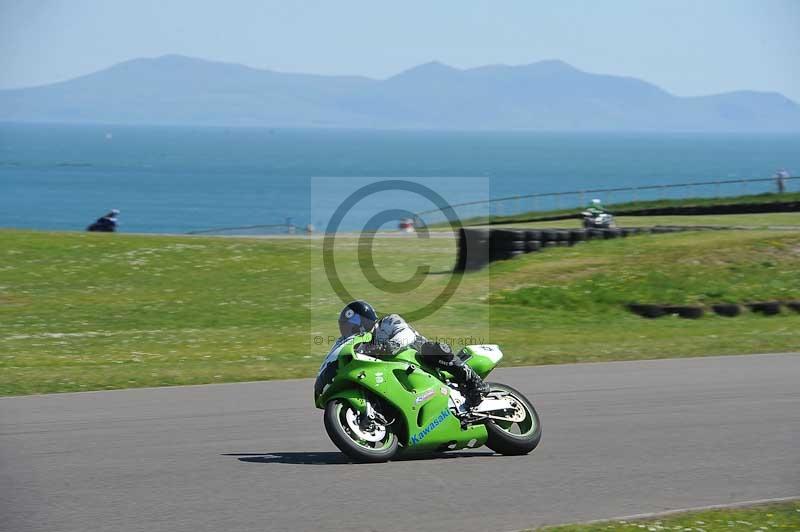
(253,230)
(556,201)
(530,204)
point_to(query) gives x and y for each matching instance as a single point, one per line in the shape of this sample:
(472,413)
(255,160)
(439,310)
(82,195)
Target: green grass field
(102,311)
(782,516)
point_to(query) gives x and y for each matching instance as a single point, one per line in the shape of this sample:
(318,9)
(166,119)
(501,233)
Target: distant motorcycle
(598,220)
(106,223)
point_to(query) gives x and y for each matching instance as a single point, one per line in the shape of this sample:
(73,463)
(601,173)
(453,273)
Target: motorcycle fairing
(421,399)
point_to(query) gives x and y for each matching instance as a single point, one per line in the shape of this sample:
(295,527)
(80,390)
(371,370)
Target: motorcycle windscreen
(325,377)
(328,369)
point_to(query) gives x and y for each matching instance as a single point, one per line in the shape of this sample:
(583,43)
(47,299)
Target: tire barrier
(549,235)
(533,245)
(647,311)
(685,311)
(473,249)
(577,235)
(533,235)
(656,311)
(477,247)
(727,310)
(594,233)
(767,308)
(505,244)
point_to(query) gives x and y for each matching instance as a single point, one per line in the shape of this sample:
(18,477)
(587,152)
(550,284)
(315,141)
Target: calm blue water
(182,179)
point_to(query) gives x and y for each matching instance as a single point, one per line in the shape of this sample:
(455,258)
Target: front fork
(367,420)
(370,416)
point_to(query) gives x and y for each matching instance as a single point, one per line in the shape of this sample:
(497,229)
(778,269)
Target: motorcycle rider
(391,334)
(596,208)
(106,223)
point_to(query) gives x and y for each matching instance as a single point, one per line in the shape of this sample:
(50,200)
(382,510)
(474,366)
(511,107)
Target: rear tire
(346,438)
(502,440)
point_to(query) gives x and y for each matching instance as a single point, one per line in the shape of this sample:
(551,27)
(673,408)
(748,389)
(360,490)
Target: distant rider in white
(596,208)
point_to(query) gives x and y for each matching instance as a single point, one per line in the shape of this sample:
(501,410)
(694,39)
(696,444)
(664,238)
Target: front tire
(341,424)
(514,438)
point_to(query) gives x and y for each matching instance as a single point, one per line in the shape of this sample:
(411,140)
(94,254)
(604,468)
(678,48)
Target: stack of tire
(662,229)
(473,249)
(506,244)
(691,312)
(479,247)
(729,310)
(509,243)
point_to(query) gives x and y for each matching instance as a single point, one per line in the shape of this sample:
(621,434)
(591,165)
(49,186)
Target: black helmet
(356,318)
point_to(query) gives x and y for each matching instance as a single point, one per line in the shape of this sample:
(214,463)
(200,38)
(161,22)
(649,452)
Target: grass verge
(781,516)
(91,311)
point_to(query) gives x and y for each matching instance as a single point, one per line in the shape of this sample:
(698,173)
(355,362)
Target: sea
(184,179)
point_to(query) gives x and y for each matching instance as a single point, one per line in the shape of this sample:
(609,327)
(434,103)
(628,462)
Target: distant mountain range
(547,95)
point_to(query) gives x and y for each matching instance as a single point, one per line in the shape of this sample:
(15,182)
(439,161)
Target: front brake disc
(378,432)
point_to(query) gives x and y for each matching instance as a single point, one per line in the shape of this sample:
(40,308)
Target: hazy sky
(687,47)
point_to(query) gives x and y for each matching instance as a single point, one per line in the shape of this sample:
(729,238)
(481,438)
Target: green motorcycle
(376,408)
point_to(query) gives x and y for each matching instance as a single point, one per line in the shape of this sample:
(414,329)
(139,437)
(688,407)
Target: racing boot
(442,355)
(474,387)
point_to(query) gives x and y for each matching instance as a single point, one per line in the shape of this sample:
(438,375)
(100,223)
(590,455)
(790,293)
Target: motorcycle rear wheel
(379,445)
(514,438)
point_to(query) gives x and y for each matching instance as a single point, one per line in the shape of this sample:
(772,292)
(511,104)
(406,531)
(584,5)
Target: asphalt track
(619,438)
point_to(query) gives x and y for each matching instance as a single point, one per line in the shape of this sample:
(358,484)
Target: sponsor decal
(379,377)
(443,389)
(430,427)
(424,396)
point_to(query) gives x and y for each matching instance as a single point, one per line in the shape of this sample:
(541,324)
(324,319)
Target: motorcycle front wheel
(520,436)
(360,441)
